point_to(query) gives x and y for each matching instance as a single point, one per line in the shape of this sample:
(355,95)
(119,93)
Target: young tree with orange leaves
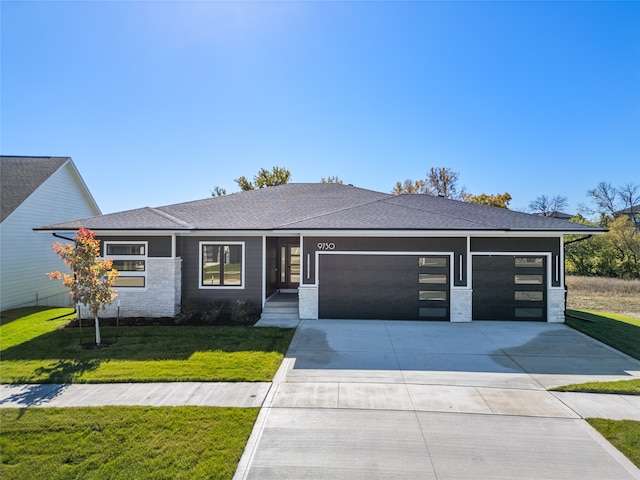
(92,280)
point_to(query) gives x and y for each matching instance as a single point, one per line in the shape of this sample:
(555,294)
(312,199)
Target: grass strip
(618,331)
(622,387)
(622,434)
(123,442)
(139,354)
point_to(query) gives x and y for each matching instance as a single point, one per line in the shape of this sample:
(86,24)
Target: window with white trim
(130,259)
(221,264)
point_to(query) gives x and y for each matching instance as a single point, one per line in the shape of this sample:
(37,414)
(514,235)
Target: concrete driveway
(419,400)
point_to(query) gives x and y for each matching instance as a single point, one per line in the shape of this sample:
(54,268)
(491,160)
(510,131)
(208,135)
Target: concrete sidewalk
(418,400)
(147,394)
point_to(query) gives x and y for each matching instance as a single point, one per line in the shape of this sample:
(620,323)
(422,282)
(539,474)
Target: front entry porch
(280,310)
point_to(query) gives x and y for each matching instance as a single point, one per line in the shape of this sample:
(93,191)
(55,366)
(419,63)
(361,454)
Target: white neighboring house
(36,191)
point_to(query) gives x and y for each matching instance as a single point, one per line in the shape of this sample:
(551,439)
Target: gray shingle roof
(318,206)
(21,176)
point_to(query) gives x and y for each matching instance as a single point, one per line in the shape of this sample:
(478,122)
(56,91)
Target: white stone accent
(308,302)
(461,301)
(161,297)
(556,305)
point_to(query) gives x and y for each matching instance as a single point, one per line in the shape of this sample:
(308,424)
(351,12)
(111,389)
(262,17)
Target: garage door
(509,287)
(396,287)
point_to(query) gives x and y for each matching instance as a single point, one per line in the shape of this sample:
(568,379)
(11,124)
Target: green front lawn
(123,442)
(618,331)
(32,353)
(623,434)
(622,387)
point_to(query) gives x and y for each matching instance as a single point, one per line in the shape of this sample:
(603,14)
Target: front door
(289,266)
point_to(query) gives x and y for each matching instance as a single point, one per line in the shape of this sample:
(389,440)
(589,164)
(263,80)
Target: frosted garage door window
(433,278)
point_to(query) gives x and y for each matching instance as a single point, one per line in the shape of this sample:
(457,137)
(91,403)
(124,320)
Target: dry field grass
(604,294)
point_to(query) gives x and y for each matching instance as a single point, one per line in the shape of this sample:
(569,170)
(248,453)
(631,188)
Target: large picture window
(130,259)
(221,265)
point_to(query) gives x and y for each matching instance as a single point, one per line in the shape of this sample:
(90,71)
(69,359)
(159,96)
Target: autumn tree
(265,178)
(92,280)
(500,200)
(547,206)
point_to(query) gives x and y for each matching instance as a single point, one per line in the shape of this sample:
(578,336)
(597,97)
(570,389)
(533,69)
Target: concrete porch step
(279,308)
(275,316)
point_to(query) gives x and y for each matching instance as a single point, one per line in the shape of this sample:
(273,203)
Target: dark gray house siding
(455,245)
(159,246)
(252,288)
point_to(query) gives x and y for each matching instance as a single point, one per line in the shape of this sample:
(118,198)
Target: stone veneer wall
(461,304)
(161,298)
(461,301)
(556,305)
(308,302)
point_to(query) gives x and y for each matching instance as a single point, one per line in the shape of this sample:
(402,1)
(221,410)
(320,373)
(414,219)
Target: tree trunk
(98,339)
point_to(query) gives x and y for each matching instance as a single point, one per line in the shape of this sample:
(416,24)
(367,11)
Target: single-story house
(348,253)
(35,191)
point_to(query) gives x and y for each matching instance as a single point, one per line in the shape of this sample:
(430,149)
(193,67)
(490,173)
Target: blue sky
(158,102)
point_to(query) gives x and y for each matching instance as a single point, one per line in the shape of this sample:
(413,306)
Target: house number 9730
(326,246)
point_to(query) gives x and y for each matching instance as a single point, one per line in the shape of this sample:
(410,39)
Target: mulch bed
(124,322)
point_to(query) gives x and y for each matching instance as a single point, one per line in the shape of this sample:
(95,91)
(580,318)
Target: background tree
(440,182)
(614,254)
(265,178)
(625,239)
(500,200)
(547,206)
(443,182)
(409,186)
(605,198)
(333,179)
(610,201)
(218,191)
(93,279)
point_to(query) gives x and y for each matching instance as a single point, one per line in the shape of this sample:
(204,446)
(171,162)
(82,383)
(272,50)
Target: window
(432,261)
(435,278)
(130,259)
(531,262)
(529,312)
(521,296)
(433,295)
(221,265)
(528,279)
(126,248)
(432,312)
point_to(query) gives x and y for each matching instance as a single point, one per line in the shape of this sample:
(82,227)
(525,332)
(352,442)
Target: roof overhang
(336,233)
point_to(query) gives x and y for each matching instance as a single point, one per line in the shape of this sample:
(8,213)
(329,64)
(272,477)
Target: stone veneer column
(308,302)
(556,305)
(461,299)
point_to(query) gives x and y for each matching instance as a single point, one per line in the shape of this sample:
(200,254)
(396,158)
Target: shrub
(210,315)
(243,313)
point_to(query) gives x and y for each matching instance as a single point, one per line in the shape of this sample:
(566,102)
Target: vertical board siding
(27,255)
